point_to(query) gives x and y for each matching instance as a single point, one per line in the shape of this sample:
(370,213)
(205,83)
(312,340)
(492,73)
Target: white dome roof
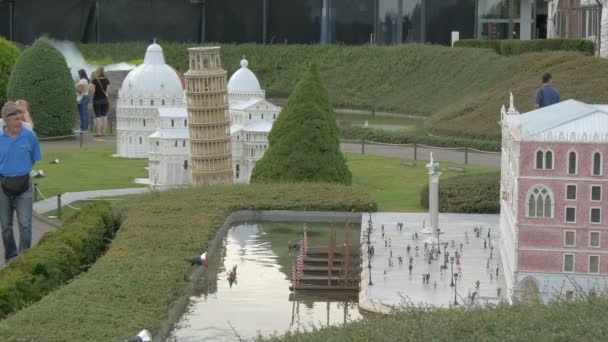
(244,80)
(153,78)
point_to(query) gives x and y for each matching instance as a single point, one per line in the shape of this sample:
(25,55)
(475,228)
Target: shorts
(100,109)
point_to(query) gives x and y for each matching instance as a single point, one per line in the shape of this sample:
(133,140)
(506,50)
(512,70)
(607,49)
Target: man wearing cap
(19,150)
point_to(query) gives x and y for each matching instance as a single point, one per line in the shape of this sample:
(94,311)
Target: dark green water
(378,122)
(260,302)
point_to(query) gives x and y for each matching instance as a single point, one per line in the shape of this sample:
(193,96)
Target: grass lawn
(88,168)
(393,186)
(396,188)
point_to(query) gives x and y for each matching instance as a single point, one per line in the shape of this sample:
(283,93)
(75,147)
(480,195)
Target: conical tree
(304,143)
(41,77)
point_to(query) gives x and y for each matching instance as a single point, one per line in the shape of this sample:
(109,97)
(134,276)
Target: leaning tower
(209,122)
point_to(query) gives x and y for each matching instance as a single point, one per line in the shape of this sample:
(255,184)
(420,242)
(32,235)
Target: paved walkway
(442,155)
(71,197)
(395,286)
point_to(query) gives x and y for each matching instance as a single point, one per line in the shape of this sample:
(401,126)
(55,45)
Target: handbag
(106,95)
(15,186)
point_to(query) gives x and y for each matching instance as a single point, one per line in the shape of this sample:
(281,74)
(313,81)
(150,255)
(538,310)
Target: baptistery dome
(244,85)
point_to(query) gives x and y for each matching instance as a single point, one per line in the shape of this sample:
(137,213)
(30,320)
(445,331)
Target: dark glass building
(270,21)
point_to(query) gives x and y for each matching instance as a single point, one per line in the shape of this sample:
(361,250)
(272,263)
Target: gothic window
(597,164)
(140,140)
(162,102)
(572,161)
(274,116)
(184,143)
(151,102)
(548,160)
(172,123)
(141,102)
(186,164)
(249,116)
(157,143)
(540,202)
(186,123)
(175,143)
(262,116)
(237,169)
(144,122)
(252,152)
(539,159)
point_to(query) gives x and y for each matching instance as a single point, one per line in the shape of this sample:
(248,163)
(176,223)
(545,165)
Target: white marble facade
(152,121)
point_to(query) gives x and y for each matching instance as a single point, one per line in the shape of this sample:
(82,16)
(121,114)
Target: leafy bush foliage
(304,141)
(9,53)
(59,256)
(41,76)
(509,47)
(467,194)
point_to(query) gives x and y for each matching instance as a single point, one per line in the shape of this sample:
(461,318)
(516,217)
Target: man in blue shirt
(19,150)
(546,95)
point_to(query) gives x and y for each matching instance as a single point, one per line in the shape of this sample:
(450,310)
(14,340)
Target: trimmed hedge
(396,137)
(467,194)
(9,53)
(509,47)
(58,257)
(41,76)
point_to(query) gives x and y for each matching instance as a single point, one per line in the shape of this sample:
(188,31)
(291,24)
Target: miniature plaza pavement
(394,286)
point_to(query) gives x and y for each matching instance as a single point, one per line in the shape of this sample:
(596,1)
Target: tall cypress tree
(304,143)
(41,77)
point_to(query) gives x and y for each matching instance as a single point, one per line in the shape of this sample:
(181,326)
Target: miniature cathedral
(153,122)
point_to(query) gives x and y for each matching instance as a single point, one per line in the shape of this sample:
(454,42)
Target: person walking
(82,97)
(19,150)
(546,95)
(101,101)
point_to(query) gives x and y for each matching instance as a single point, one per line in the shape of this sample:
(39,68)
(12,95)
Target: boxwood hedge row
(58,257)
(516,47)
(467,194)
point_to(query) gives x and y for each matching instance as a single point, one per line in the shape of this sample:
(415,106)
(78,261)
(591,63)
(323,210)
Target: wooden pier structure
(328,268)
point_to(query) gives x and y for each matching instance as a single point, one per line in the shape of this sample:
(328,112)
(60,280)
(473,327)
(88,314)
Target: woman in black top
(99,88)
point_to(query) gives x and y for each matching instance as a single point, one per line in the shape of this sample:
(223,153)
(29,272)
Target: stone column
(434,198)
(433,227)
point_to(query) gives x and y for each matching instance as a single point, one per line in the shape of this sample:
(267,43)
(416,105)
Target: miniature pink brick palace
(553,220)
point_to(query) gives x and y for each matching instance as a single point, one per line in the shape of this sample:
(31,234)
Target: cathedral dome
(244,80)
(153,78)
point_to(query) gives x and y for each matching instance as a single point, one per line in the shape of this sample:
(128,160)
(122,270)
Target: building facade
(272,21)
(554,221)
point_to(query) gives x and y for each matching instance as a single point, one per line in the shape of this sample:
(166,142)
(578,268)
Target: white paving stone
(397,285)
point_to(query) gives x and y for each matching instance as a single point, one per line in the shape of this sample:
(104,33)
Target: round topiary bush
(9,53)
(41,77)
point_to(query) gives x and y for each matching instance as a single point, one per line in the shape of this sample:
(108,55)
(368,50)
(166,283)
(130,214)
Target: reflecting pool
(259,300)
(389,123)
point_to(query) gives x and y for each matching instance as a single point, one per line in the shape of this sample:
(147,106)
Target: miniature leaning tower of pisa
(208,119)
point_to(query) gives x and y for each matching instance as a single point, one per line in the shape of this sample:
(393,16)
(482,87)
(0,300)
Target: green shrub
(515,47)
(59,256)
(303,145)
(41,76)
(8,55)
(396,137)
(467,194)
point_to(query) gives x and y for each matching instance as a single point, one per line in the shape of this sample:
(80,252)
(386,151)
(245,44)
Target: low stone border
(365,303)
(199,275)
